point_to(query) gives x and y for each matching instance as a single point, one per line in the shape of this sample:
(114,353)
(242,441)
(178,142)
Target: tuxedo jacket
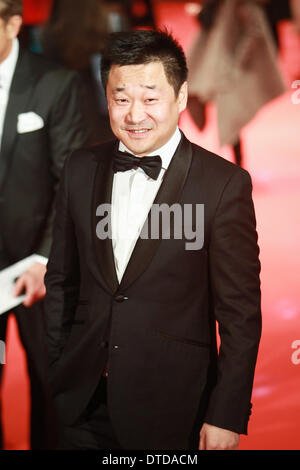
(43,123)
(156,330)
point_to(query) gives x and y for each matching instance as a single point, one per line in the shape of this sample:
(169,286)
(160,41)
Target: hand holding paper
(32,280)
(29,273)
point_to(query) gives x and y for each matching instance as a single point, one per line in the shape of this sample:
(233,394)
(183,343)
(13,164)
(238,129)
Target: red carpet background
(272,156)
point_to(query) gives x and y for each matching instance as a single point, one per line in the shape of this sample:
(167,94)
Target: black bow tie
(126,161)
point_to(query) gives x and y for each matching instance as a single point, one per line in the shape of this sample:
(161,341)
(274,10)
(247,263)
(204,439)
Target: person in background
(233,63)
(73,36)
(41,121)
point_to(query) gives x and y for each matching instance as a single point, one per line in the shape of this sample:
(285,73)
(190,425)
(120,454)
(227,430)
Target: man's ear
(182,96)
(13,26)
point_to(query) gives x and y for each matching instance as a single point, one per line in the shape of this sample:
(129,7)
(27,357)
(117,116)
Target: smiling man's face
(143,108)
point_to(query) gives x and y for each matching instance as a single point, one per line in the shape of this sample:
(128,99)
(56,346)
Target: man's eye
(150,100)
(121,100)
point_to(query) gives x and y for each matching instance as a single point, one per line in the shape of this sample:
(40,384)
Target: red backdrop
(36,11)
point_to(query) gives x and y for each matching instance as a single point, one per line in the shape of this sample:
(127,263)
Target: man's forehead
(148,76)
(154,69)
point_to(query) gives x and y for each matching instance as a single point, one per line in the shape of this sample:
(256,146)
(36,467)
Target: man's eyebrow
(149,87)
(123,88)
(118,89)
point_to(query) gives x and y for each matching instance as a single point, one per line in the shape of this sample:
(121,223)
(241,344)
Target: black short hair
(142,47)
(10,8)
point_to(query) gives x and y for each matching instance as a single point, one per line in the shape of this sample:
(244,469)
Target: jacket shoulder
(215,167)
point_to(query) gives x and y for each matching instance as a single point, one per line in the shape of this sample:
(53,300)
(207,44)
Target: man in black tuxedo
(40,123)
(131,319)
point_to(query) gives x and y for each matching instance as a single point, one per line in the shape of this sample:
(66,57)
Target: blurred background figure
(232,63)
(73,36)
(41,122)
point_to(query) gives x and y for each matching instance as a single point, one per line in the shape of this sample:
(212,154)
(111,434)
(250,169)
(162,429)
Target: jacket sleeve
(234,276)
(66,132)
(63,275)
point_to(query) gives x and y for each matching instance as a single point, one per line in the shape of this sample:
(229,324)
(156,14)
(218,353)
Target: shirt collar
(7,67)
(166,152)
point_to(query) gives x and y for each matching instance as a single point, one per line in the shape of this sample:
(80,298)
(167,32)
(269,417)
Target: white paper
(7,281)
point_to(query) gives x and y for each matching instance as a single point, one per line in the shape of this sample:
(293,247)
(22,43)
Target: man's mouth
(138,131)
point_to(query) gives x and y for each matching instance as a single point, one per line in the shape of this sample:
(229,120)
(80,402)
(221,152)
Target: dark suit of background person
(30,166)
(156,329)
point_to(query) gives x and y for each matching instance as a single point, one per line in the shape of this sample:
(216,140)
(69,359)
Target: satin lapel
(20,92)
(102,195)
(169,193)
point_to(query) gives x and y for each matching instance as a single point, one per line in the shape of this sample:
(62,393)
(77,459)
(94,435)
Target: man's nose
(136,113)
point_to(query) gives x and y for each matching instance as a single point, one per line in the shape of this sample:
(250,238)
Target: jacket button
(120,298)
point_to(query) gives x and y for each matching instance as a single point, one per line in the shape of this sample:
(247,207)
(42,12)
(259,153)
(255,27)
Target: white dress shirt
(7,69)
(133,194)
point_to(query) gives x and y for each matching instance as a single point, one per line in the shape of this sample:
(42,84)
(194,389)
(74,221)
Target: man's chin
(138,149)
(138,143)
